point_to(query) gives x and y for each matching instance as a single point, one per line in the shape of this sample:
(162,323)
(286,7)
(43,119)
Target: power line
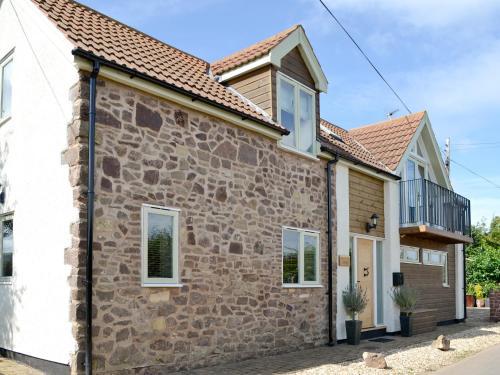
(477,143)
(476,174)
(364,55)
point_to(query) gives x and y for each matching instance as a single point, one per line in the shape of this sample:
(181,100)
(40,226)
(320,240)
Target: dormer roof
(271,51)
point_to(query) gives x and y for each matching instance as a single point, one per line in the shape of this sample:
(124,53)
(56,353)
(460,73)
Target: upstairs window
(300,257)
(6,246)
(296,112)
(5,87)
(160,246)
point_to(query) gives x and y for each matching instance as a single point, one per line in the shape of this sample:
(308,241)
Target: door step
(372,333)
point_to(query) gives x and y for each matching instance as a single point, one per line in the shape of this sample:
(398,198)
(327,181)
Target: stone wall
(235,190)
(495,306)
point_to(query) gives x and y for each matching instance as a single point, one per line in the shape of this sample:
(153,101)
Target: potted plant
(478,291)
(469,296)
(406,299)
(355,301)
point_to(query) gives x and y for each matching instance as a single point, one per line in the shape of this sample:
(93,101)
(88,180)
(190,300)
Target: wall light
(373,223)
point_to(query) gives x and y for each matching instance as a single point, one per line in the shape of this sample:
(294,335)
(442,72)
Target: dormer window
(296,112)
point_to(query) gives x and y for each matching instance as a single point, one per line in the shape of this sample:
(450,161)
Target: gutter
(134,73)
(329,165)
(356,161)
(90,217)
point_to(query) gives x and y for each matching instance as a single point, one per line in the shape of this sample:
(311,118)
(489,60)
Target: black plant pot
(353,330)
(406,325)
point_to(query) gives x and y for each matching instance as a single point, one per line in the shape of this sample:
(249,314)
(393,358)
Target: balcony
(430,211)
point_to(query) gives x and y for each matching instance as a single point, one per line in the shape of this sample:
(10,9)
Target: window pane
(445,269)
(160,246)
(306,122)
(410,170)
(291,240)
(7,246)
(310,251)
(287,111)
(435,258)
(412,255)
(6,97)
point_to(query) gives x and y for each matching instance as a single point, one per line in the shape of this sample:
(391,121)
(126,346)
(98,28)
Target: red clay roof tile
(250,53)
(388,140)
(106,38)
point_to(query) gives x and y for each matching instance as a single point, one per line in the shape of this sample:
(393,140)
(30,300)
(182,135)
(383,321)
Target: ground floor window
(437,258)
(409,254)
(300,257)
(160,246)
(6,245)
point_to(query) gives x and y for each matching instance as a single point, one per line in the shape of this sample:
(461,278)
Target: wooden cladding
(294,67)
(366,197)
(257,87)
(428,281)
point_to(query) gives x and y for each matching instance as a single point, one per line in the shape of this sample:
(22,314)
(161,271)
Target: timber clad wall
(235,190)
(293,66)
(427,280)
(366,197)
(256,86)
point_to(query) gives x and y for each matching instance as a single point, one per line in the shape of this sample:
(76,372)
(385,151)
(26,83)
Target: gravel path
(420,358)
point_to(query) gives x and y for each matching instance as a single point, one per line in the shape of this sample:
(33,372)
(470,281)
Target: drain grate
(381,339)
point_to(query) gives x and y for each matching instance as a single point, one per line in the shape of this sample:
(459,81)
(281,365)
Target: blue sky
(441,56)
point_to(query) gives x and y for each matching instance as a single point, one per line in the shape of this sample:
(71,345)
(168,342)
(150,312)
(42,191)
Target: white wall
(34,308)
(459,281)
(391,252)
(342,197)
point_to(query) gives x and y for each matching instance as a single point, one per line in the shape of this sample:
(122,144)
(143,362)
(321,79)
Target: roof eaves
(134,73)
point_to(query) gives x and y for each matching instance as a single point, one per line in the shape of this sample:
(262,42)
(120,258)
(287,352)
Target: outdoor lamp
(373,223)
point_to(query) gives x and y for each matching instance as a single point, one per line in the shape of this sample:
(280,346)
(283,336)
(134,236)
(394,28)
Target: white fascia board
(253,65)
(365,170)
(184,100)
(404,157)
(298,39)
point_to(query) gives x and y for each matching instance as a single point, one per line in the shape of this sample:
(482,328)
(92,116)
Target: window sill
(409,262)
(4,120)
(160,285)
(5,280)
(446,285)
(301,286)
(297,152)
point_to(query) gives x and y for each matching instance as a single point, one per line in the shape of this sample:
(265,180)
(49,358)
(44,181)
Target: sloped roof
(338,140)
(388,140)
(112,41)
(250,53)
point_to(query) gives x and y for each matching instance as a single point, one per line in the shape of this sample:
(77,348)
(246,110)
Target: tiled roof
(338,140)
(112,41)
(388,140)
(250,53)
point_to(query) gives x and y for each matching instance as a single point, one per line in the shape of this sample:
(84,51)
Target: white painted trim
(366,170)
(297,152)
(301,286)
(184,100)
(7,59)
(300,263)
(404,248)
(459,281)
(298,39)
(297,87)
(149,281)
(247,68)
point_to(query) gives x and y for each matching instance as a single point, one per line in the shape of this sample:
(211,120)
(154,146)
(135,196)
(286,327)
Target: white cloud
(425,13)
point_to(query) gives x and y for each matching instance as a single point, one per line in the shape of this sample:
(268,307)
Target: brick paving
(296,362)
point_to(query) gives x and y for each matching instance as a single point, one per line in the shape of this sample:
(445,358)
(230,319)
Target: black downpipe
(90,219)
(331,341)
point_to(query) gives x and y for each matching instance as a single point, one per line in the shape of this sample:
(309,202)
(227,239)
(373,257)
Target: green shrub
(355,300)
(405,298)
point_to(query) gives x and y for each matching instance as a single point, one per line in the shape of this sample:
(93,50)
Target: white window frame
(8,58)
(297,87)
(443,262)
(302,283)
(5,279)
(155,281)
(404,258)
(418,162)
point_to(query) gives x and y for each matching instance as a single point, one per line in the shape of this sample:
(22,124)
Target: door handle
(366,271)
